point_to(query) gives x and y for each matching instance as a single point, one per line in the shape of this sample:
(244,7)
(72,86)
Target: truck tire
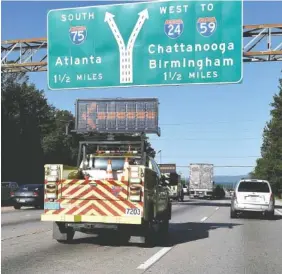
(233,214)
(169,211)
(17,206)
(164,228)
(123,235)
(61,233)
(270,215)
(149,235)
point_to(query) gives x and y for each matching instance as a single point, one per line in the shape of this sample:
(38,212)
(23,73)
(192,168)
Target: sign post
(145,44)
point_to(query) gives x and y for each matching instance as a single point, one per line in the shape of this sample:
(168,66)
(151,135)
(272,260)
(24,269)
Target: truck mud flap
(61,232)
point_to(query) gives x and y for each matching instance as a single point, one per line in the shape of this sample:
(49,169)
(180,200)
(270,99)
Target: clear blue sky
(221,124)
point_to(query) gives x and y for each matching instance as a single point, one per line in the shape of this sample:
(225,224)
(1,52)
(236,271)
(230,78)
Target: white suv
(252,195)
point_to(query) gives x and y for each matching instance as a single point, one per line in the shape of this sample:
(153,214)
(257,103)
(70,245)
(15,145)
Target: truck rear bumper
(201,193)
(91,219)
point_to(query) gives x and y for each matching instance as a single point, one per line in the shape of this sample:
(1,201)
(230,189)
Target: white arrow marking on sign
(126,66)
(143,15)
(109,18)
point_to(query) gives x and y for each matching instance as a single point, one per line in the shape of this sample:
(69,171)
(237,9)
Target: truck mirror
(163,180)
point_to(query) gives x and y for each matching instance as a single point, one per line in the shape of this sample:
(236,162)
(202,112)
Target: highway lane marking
(157,256)
(278,211)
(203,219)
(154,258)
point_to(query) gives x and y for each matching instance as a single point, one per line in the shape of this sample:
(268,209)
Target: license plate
(52,205)
(21,200)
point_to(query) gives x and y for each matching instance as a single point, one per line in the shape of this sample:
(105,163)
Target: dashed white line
(154,258)
(278,211)
(161,253)
(203,219)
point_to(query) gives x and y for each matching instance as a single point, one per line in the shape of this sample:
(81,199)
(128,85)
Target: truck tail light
(52,177)
(135,194)
(51,190)
(35,194)
(135,175)
(12,194)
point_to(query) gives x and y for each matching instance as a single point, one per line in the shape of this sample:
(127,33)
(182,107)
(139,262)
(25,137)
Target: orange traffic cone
(109,170)
(125,167)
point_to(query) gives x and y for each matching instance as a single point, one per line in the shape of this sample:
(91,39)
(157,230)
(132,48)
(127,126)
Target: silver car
(252,195)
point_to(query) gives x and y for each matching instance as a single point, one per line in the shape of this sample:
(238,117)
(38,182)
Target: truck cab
(116,186)
(174,186)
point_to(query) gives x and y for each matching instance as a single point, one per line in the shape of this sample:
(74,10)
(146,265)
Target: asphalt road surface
(203,239)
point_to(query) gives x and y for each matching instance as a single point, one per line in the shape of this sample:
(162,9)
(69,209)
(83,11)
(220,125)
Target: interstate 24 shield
(173,28)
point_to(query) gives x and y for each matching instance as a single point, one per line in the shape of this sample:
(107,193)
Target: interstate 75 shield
(78,34)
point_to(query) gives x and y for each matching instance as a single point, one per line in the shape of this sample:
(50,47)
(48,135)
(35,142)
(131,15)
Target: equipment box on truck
(117,187)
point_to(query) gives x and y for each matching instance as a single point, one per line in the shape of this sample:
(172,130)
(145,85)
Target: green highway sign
(145,44)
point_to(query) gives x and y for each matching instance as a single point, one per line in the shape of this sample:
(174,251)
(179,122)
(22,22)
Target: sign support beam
(12,51)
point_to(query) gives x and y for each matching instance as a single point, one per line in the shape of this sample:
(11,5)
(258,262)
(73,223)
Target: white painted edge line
(278,211)
(154,258)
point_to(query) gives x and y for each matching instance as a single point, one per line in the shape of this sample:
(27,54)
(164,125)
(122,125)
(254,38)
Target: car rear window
(253,187)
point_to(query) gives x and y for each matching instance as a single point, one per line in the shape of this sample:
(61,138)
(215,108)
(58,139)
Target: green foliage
(34,133)
(149,150)
(26,118)
(77,174)
(269,166)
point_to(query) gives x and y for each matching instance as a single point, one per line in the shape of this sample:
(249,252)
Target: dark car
(6,189)
(29,195)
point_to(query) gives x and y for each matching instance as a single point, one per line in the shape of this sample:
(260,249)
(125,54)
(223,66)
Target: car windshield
(253,187)
(29,187)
